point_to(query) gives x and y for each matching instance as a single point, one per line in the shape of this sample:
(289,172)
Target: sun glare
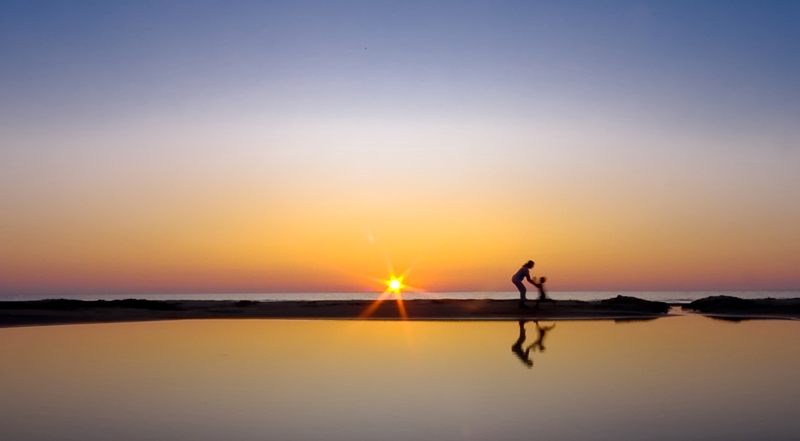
(395,284)
(394,289)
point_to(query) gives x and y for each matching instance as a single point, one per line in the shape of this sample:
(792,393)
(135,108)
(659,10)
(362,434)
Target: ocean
(663,296)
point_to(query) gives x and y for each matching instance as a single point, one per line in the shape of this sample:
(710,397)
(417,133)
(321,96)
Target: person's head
(528,264)
(542,279)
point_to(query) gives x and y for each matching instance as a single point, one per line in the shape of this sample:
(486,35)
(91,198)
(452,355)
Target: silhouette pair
(524,354)
(524,273)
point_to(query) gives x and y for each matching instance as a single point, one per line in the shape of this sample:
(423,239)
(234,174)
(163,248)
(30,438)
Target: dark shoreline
(736,309)
(62,311)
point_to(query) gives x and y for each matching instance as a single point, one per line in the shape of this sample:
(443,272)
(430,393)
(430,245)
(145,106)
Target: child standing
(542,295)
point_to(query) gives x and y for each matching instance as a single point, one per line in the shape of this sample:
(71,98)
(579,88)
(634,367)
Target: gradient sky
(291,146)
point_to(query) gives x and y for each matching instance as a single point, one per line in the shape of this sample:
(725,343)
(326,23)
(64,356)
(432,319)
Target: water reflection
(238,380)
(525,354)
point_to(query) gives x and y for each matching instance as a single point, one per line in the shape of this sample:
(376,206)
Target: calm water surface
(674,378)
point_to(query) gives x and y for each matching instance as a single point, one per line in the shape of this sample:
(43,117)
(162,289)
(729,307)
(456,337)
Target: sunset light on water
(399,220)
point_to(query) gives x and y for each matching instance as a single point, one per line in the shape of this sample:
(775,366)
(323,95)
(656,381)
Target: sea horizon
(662,296)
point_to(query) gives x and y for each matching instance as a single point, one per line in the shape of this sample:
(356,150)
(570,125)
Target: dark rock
(637,303)
(736,305)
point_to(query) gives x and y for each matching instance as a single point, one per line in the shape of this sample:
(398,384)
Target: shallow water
(686,377)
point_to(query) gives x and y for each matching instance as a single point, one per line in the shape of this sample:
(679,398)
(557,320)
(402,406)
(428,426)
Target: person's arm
(533,281)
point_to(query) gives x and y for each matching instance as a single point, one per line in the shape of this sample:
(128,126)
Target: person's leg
(522,291)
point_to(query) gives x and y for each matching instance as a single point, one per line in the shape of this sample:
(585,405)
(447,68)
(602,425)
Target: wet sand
(46,312)
(50,312)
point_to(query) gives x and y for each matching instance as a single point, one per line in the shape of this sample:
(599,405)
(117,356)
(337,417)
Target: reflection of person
(540,333)
(542,295)
(518,277)
(524,355)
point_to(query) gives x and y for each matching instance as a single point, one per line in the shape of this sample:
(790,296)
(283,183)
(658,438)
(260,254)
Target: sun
(395,284)
(394,289)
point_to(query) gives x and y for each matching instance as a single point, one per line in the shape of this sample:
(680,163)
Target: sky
(180,147)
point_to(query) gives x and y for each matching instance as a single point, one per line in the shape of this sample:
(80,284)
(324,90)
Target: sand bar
(61,311)
(44,312)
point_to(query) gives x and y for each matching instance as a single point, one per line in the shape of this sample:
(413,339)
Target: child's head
(542,279)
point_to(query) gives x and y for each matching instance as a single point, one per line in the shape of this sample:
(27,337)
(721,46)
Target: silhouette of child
(540,334)
(542,295)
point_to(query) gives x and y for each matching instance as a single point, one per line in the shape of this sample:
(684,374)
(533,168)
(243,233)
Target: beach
(61,311)
(76,311)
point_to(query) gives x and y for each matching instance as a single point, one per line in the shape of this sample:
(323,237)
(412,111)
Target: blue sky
(725,58)
(622,143)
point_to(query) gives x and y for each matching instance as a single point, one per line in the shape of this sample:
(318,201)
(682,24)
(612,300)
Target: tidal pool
(675,378)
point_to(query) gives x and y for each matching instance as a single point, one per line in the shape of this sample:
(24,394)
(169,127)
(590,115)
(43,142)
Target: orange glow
(256,373)
(395,285)
(188,233)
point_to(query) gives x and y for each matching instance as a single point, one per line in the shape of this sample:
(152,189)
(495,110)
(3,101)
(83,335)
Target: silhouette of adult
(523,273)
(523,354)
